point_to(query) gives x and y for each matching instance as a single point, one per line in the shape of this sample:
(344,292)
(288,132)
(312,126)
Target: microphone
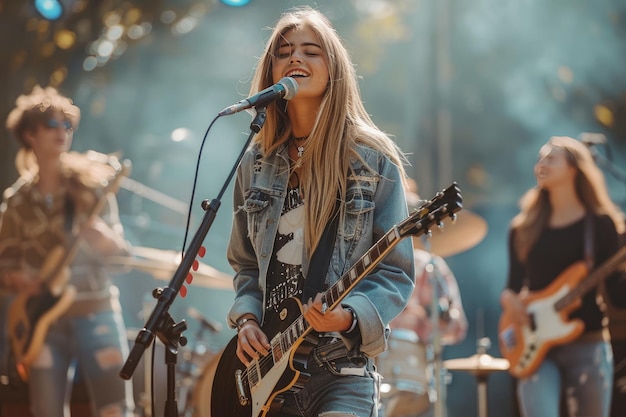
(210,324)
(286,88)
(591,139)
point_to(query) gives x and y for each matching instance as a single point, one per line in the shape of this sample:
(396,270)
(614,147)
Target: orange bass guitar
(526,346)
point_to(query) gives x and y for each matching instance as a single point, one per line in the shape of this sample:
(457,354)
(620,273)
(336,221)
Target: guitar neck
(344,285)
(362,267)
(592,280)
(445,204)
(75,240)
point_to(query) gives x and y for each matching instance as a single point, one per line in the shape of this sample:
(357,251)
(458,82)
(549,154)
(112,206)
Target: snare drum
(404,368)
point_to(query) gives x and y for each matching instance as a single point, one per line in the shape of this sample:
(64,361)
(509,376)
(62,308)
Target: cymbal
(455,237)
(162,264)
(478,364)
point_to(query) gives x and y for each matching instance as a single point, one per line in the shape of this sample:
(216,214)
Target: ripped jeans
(98,344)
(578,374)
(339,387)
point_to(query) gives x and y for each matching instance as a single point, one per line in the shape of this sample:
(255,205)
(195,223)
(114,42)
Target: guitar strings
(265,359)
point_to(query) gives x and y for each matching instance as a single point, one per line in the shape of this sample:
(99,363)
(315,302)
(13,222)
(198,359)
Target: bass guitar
(255,390)
(31,314)
(525,346)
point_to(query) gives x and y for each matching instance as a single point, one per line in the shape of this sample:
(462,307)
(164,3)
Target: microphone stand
(160,323)
(604,162)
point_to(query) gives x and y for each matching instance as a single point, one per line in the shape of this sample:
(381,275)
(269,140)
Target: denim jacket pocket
(256,201)
(358,206)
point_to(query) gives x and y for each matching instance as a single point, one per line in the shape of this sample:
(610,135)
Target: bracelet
(241,322)
(354,321)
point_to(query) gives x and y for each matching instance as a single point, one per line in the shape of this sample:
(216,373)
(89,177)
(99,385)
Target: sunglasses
(54,124)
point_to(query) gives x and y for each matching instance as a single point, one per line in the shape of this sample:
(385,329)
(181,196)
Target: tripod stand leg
(482,397)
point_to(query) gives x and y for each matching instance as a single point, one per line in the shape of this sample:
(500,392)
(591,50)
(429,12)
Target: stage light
(49,9)
(235,3)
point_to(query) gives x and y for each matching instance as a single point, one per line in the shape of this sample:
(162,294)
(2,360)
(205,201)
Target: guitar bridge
(241,393)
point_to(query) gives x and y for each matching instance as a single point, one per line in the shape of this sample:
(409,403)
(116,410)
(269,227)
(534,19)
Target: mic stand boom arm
(160,322)
(603,162)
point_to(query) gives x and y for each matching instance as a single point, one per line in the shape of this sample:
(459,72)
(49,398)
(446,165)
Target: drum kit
(414,376)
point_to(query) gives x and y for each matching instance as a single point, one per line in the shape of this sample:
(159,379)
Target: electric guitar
(526,346)
(254,391)
(31,314)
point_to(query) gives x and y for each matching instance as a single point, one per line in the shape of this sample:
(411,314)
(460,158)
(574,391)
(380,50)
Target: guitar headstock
(444,204)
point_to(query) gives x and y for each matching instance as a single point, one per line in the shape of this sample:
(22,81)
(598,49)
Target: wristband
(354,321)
(242,321)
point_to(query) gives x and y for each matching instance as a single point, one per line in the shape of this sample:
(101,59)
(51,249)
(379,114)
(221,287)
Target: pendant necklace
(300,148)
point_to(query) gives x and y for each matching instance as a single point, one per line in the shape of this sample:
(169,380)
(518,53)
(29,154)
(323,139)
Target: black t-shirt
(558,248)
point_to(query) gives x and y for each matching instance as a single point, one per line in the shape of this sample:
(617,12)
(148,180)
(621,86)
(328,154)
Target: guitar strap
(320,260)
(70,209)
(589,238)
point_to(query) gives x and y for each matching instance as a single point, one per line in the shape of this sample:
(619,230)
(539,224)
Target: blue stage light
(49,9)
(235,3)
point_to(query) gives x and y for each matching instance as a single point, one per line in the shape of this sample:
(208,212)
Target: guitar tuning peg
(183,291)
(428,233)
(440,225)
(202,251)
(453,218)
(189,278)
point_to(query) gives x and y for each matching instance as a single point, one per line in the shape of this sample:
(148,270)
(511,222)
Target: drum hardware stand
(160,323)
(188,374)
(483,344)
(439,391)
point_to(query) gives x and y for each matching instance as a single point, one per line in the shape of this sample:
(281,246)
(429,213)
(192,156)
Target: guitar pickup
(241,393)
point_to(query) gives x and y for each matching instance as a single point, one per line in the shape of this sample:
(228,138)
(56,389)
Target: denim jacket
(259,193)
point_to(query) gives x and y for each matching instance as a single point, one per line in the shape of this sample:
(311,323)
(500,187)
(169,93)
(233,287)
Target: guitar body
(275,375)
(31,314)
(29,318)
(526,346)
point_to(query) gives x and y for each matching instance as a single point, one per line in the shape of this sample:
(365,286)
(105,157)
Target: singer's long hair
(342,122)
(591,190)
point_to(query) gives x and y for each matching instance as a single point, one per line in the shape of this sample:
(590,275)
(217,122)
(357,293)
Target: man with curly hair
(58,223)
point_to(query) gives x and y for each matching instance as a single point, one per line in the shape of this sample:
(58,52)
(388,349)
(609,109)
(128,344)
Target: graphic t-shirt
(285,278)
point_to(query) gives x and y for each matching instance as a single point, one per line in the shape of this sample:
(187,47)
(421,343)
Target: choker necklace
(300,148)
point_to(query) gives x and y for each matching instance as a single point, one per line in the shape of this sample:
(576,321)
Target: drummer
(416,317)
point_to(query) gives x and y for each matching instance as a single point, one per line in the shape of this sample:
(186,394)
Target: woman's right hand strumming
(251,341)
(512,303)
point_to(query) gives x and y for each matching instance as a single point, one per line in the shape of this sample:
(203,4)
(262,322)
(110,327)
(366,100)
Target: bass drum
(201,397)
(405,371)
